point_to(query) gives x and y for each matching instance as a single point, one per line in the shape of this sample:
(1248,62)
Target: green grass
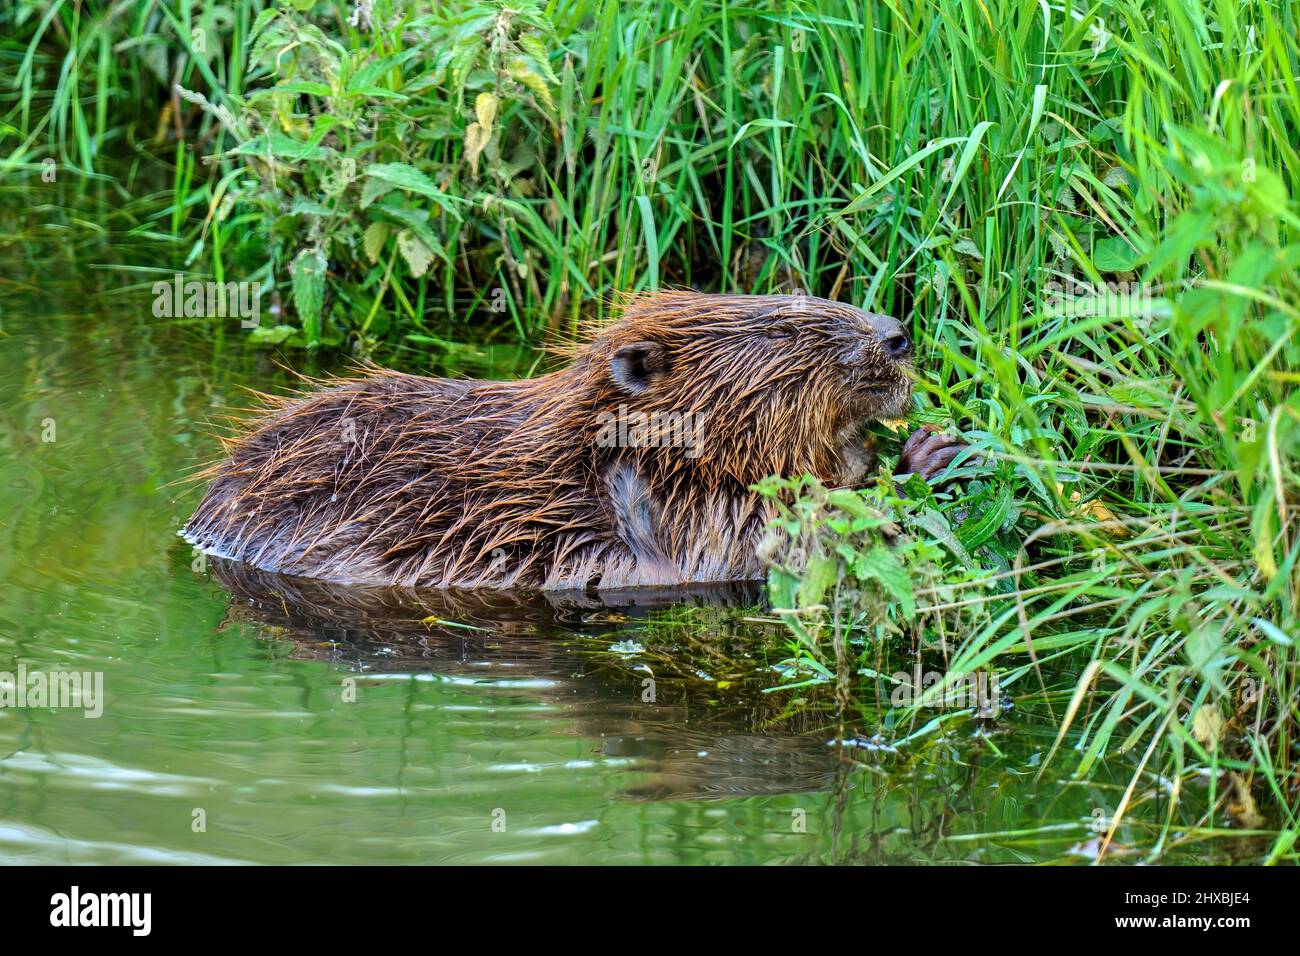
(953,163)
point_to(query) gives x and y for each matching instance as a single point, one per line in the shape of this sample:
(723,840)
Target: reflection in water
(870,803)
(687,749)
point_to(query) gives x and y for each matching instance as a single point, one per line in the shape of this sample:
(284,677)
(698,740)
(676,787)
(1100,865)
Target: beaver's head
(768,384)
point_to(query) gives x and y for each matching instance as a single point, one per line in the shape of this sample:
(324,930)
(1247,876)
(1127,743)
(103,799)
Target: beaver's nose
(891,336)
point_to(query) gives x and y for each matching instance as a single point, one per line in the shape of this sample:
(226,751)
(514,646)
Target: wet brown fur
(401,479)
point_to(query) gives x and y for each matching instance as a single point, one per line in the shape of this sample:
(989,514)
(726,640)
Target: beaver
(632,466)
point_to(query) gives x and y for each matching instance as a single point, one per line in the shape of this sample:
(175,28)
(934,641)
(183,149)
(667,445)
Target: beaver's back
(368,480)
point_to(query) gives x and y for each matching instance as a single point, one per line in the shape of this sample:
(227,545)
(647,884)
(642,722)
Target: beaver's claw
(927,452)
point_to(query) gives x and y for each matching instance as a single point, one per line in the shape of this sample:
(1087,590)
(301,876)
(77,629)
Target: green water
(282,723)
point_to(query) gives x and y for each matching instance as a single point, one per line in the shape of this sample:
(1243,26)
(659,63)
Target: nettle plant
(376,159)
(856,576)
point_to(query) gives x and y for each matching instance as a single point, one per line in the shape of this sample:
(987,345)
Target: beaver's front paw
(927,452)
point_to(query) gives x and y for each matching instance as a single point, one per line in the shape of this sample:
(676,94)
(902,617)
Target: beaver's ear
(634,367)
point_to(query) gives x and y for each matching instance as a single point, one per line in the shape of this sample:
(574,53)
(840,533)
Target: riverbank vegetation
(1086,214)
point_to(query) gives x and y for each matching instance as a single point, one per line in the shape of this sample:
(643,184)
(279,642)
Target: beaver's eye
(780,330)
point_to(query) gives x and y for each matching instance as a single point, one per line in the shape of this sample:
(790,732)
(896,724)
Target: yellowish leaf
(1263,525)
(416,253)
(1208,724)
(375,237)
(476,139)
(485,108)
(1241,806)
(1095,509)
(522,72)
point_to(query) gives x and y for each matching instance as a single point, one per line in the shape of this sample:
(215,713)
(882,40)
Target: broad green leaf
(976,530)
(271,334)
(403,176)
(304,86)
(881,564)
(1115,254)
(373,189)
(302,205)
(818,578)
(278,146)
(308,271)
